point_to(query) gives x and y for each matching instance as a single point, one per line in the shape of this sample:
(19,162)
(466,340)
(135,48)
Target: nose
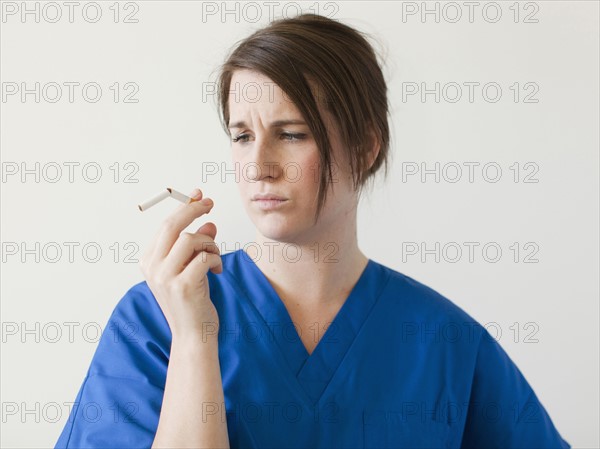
(265,163)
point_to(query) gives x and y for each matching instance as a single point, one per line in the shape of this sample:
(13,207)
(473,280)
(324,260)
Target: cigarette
(168,192)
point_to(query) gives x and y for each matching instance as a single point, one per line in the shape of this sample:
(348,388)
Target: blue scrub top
(400,366)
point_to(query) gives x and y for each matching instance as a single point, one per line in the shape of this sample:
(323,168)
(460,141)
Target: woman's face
(277,154)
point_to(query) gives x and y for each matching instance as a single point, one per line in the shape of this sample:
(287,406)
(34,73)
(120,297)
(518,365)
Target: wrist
(206,335)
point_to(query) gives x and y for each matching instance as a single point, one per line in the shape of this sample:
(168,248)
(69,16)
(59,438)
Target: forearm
(193,408)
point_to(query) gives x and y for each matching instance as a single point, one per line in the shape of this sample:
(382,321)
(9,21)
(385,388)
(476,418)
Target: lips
(268,196)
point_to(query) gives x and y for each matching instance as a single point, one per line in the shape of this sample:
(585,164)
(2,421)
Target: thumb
(209,229)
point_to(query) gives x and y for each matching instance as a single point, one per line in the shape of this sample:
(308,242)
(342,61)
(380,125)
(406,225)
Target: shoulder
(138,301)
(138,319)
(419,300)
(422,316)
(234,275)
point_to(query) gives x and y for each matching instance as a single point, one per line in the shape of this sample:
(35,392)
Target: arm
(137,366)
(141,361)
(119,401)
(193,410)
(503,410)
(176,267)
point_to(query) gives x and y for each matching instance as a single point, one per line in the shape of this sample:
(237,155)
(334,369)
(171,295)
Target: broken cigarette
(168,192)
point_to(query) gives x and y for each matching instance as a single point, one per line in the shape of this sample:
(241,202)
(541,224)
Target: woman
(299,339)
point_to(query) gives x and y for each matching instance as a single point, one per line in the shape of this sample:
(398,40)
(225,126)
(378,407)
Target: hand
(175,267)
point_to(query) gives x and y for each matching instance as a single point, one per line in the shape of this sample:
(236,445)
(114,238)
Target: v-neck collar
(313,371)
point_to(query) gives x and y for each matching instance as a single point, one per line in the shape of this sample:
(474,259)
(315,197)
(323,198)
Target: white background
(170,132)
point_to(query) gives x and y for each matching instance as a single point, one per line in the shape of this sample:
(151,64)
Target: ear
(375,147)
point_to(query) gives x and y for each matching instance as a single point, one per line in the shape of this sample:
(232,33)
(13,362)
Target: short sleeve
(119,401)
(503,410)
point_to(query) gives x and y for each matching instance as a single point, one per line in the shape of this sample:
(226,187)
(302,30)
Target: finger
(185,248)
(208,228)
(152,248)
(196,193)
(201,264)
(176,223)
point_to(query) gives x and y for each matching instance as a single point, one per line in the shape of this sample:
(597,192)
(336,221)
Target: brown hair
(311,52)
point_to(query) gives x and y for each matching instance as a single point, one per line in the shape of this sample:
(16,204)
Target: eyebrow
(277,123)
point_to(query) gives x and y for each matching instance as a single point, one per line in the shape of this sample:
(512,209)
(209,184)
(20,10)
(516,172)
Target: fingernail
(207,201)
(196,193)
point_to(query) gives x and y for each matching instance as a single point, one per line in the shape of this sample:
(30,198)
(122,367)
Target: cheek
(307,170)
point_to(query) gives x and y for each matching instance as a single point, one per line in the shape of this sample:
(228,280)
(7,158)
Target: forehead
(253,92)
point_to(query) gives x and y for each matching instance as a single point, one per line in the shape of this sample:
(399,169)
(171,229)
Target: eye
(293,137)
(240,137)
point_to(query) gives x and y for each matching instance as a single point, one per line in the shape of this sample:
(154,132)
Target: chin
(275,228)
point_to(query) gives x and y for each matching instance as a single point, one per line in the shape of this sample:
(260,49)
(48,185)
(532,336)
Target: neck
(319,270)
